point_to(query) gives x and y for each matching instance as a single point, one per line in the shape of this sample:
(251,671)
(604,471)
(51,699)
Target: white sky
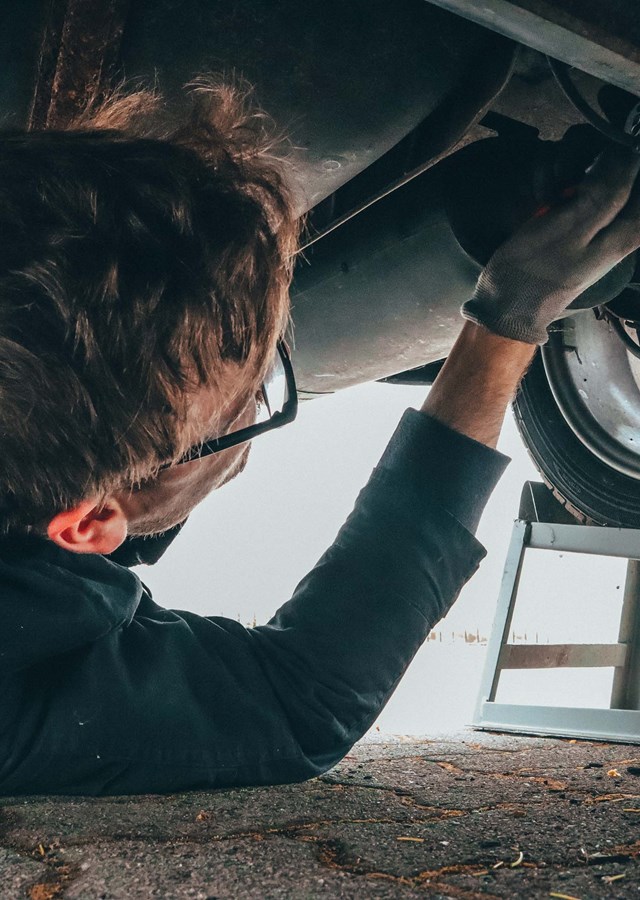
(246,547)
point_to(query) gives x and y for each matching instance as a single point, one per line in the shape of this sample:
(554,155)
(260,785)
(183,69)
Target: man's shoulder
(52,600)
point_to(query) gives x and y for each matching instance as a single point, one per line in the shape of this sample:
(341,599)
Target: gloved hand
(533,277)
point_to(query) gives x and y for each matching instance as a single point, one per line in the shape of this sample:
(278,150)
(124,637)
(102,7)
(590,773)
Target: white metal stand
(556,531)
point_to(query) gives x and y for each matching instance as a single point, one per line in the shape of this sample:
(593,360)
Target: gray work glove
(533,277)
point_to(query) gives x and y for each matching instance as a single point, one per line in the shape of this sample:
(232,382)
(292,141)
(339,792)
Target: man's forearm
(477,383)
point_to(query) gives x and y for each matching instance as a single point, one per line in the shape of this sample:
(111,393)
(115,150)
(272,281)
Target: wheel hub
(595,381)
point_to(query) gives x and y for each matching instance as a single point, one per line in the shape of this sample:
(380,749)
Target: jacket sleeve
(175,701)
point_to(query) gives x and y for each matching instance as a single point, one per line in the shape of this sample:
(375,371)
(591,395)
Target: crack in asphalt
(435,814)
(334,854)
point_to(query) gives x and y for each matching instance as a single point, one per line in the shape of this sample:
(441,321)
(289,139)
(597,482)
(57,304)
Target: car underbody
(421,134)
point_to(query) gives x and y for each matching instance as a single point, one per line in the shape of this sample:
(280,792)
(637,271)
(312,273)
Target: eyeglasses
(277,404)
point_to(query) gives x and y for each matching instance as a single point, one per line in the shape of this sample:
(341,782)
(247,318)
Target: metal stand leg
(622,721)
(625,691)
(504,613)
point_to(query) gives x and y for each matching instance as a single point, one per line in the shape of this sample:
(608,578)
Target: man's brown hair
(137,259)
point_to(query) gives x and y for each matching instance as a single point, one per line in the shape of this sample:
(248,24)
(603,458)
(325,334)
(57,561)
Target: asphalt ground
(466,816)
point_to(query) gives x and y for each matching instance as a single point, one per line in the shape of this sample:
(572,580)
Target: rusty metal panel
(78,55)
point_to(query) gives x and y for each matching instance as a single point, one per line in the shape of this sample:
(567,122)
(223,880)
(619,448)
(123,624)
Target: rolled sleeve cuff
(456,471)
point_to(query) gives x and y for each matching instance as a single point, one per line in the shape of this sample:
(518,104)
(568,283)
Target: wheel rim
(596,384)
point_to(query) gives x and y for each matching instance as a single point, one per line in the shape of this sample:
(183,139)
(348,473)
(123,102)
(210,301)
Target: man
(142,297)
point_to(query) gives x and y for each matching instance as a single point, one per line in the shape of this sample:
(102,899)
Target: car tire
(592,491)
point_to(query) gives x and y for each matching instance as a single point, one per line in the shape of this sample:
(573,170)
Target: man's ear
(90,527)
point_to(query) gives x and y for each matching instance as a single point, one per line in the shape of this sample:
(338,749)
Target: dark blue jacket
(102,691)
